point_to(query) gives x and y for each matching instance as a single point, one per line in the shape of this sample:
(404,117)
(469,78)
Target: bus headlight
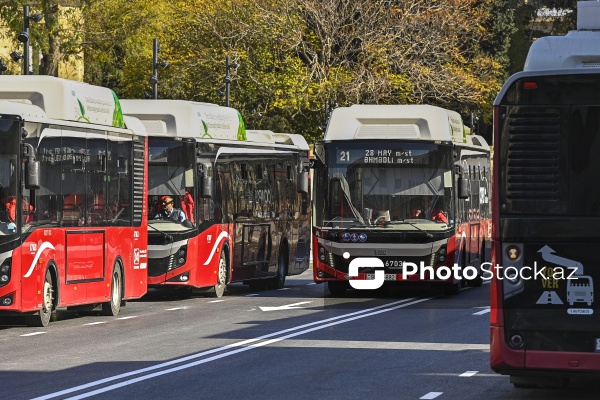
(181,256)
(5,271)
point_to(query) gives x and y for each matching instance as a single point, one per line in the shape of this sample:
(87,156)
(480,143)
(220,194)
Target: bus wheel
(454,289)
(113,306)
(42,317)
(279,281)
(337,288)
(221,276)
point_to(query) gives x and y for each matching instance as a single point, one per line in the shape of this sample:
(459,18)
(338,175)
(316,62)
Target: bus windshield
(171,184)
(377,183)
(9,134)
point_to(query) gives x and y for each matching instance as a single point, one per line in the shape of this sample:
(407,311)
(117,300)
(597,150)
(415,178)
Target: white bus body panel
(63,99)
(418,122)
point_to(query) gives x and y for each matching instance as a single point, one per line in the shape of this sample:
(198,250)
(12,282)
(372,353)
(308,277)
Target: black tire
(221,284)
(112,307)
(337,288)
(282,269)
(258,284)
(477,282)
(454,289)
(43,317)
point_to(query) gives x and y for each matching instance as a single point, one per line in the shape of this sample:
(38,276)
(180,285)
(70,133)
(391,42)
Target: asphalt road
(294,343)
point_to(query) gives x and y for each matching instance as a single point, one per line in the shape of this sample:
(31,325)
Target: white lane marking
(33,333)
(95,323)
(294,306)
(376,345)
(248,343)
(487,310)
(468,374)
(430,395)
(132,316)
(487,281)
(216,301)
(285,288)
(312,283)
(252,294)
(175,308)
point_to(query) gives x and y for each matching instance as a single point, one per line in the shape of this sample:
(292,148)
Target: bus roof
(415,121)
(63,99)
(181,118)
(576,50)
(288,139)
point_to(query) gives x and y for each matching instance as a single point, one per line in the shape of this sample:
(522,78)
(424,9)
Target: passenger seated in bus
(187,204)
(11,210)
(426,211)
(168,211)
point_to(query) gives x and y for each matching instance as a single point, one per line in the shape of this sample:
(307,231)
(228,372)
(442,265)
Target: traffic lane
(372,357)
(260,367)
(90,348)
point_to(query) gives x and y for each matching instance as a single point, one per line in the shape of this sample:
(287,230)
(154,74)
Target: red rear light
(529,85)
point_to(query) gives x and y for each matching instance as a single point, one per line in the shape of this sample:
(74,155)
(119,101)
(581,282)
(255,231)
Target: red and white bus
(72,185)
(374,167)
(243,194)
(545,322)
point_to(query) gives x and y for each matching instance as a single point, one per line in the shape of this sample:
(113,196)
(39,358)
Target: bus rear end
(545,320)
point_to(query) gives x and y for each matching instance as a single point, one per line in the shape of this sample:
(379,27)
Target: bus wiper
(168,238)
(429,235)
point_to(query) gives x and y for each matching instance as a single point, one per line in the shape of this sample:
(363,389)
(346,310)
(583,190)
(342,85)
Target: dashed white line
(175,308)
(468,374)
(252,294)
(131,316)
(487,310)
(216,301)
(312,283)
(285,288)
(33,333)
(95,323)
(430,395)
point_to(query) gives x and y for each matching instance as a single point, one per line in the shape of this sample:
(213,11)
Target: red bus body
(79,236)
(245,218)
(545,326)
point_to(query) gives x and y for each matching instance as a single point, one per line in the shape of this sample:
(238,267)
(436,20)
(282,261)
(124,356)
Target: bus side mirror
(32,175)
(32,167)
(463,188)
(207,185)
(302,186)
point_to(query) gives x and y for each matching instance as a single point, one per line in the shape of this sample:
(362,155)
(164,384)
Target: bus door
(255,250)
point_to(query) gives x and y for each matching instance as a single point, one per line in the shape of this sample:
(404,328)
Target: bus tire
(221,284)
(47,313)
(454,289)
(257,284)
(112,307)
(282,269)
(337,288)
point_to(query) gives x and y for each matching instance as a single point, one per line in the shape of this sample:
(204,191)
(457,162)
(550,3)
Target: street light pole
(227,81)
(155,69)
(24,37)
(26,43)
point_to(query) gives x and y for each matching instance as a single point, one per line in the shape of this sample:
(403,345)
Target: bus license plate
(386,277)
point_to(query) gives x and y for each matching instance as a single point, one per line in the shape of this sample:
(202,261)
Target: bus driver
(167,211)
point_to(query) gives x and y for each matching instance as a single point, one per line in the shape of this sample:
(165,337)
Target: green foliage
(297,58)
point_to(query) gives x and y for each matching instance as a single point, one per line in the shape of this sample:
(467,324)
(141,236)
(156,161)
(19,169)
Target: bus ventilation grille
(533,157)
